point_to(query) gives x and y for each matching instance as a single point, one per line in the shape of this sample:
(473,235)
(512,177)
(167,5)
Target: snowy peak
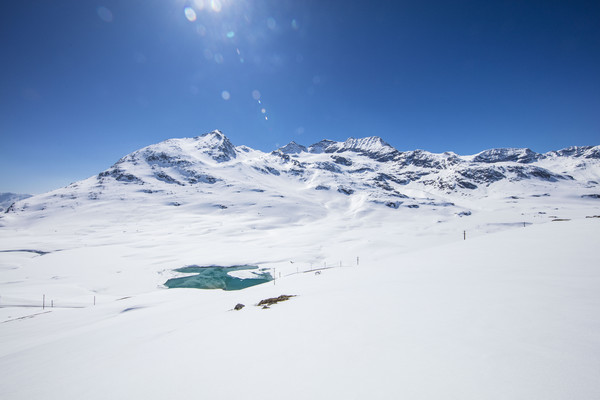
(216,145)
(178,162)
(320,147)
(523,156)
(589,152)
(373,147)
(371,143)
(425,159)
(292,148)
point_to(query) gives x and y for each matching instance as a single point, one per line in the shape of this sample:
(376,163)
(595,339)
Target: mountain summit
(216,145)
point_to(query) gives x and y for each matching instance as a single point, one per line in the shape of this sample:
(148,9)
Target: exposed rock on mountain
(524,156)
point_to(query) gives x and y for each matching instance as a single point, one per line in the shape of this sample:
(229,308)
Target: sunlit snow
(416,275)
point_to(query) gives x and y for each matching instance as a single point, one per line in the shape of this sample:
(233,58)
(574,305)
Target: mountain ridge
(209,169)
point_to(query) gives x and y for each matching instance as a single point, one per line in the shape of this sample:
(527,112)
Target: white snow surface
(390,301)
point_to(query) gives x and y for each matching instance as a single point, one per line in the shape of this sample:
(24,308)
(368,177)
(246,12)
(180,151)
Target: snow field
(513,314)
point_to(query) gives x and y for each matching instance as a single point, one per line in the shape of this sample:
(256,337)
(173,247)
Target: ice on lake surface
(215,277)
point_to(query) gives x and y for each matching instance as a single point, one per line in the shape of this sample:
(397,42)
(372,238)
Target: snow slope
(510,312)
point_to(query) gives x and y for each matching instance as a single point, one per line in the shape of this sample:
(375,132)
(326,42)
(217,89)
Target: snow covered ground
(510,314)
(389,303)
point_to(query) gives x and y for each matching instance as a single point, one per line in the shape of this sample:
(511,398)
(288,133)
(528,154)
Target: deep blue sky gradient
(83,83)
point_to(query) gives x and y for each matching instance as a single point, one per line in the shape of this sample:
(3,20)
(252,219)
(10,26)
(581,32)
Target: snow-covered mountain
(414,275)
(209,171)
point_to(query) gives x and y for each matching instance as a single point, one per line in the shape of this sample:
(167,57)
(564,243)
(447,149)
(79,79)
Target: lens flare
(190,14)
(216,5)
(256,95)
(104,14)
(225,95)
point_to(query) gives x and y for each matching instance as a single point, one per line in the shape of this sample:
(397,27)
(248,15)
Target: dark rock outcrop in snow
(524,156)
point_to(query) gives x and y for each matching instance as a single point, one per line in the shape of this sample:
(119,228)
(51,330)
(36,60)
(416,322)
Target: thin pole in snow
(464,235)
(356,260)
(94,300)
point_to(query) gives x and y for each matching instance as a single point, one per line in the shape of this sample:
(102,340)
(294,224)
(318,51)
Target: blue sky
(83,83)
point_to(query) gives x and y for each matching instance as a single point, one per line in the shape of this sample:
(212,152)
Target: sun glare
(228,32)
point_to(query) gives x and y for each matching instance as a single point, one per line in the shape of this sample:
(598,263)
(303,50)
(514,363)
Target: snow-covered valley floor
(513,312)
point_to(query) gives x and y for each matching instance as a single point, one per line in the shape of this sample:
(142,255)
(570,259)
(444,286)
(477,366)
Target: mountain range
(209,172)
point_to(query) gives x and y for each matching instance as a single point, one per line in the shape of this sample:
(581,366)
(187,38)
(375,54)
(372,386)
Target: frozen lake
(215,277)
